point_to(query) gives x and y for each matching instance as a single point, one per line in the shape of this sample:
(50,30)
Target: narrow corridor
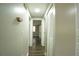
(39,29)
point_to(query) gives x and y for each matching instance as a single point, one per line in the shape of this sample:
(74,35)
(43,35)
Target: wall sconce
(19,19)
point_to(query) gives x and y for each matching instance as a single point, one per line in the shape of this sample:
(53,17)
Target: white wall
(14,36)
(42,33)
(65,29)
(31,33)
(49,31)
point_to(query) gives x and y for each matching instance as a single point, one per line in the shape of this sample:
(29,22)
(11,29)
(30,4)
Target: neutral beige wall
(77,30)
(65,29)
(13,35)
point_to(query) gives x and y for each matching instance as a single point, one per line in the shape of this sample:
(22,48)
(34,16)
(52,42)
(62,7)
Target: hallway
(39,29)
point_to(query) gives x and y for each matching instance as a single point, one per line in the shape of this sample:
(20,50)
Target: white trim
(37,18)
(31,32)
(42,33)
(27,54)
(50,50)
(49,7)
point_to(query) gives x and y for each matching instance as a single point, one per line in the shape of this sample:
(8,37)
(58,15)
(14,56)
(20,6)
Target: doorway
(36,49)
(36,33)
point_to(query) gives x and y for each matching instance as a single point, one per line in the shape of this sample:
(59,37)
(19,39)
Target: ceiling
(41,6)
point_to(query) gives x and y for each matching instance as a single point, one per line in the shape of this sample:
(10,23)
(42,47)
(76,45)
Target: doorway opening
(37,49)
(36,33)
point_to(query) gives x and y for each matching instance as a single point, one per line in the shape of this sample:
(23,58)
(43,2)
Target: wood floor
(37,50)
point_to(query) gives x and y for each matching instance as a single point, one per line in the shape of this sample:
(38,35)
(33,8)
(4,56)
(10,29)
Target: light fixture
(19,19)
(37,10)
